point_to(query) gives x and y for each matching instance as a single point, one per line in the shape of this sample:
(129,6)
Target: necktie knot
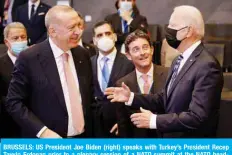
(146,85)
(65,57)
(145,77)
(105,59)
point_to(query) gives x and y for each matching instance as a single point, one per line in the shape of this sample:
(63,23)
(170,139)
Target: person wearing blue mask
(126,20)
(15,38)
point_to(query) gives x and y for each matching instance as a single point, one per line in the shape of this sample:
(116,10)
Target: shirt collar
(149,73)
(186,54)
(56,50)
(111,56)
(80,43)
(36,3)
(12,57)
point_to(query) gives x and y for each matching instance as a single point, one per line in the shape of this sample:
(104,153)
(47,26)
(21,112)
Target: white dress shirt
(12,57)
(30,6)
(140,79)
(100,64)
(57,52)
(186,54)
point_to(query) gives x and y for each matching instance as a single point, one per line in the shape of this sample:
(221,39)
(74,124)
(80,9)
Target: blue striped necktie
(105,73)
(174,72)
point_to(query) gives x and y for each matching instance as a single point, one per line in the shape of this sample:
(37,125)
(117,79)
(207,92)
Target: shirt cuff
(153,121)
(129,22)
(129,103)
(41,131)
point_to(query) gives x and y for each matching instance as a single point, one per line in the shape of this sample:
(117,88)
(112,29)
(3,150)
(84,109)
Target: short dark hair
(102,23)
(136,35)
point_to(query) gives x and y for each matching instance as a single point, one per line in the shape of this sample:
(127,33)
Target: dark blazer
(126,127)
(191,109)
(16,4)
(106,112)
(139,22)
(89,49)
(36,30)
(9,129)
(35,98)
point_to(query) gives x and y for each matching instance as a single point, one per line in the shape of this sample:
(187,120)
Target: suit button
(95,97)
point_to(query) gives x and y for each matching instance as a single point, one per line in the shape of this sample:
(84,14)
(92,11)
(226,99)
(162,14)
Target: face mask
(18,47)
(105,44)
(125,6)
(171,37)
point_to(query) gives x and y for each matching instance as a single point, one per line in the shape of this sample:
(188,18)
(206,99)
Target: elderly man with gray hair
(15,38)
(50,94)
(191,97)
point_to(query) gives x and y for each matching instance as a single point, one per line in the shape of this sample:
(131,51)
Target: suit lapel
(118,63)
(118,22)
(134,83)
(50,69)
(191,60)
(95,73)
(78,60)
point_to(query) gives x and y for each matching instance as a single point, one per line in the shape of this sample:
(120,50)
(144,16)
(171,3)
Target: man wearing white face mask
(108,67)
(126,20)
(15,38)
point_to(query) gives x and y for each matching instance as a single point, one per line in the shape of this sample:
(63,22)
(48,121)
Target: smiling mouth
(143,58)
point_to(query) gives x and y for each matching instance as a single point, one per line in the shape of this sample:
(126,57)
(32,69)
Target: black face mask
(170,35)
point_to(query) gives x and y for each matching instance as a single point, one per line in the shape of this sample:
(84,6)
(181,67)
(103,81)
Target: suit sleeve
(152,102)
(123,118)
(18,95)
(205,97)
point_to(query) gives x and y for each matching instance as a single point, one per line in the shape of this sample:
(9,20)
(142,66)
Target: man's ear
(52,32)
(94,41)
(190,31)
(127,54)
(152,50)
(115,37)
(7,43)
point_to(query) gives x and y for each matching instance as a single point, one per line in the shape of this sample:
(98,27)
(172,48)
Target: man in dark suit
(14,34)
(126,20)
(32,15)
(191,96)
(108,66)
(90,49)
(50,94)
(147,78)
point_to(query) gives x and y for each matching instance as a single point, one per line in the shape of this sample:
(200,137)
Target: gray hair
(54,13)
(11,26)
(193,17)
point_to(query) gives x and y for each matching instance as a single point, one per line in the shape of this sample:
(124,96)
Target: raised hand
(118,94)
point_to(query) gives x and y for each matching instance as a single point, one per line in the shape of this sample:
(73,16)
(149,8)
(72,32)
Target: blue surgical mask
(18,47)
(125,6)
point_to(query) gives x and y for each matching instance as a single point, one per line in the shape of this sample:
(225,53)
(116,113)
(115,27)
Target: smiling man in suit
(50,94)
(191,96)
(32,15)
(108,65)
(147,78)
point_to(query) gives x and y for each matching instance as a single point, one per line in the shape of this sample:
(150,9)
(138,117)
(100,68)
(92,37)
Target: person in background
(126,20)
(108,66)
(192,94)
(32,15)
(90,49)
(147,78)
(50,94)
(15,38)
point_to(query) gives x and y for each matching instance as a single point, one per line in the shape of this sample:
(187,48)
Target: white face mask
(105,44)
(125,6)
